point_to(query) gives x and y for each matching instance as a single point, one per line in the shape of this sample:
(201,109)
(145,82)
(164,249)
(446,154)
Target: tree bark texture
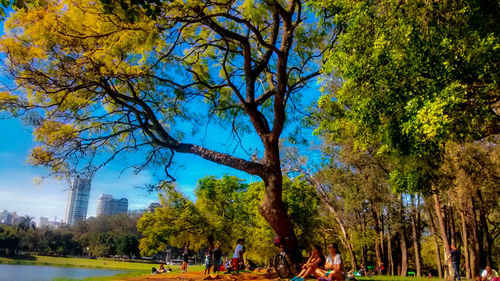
(444,236)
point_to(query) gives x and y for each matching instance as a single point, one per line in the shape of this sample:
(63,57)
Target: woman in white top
(334,268)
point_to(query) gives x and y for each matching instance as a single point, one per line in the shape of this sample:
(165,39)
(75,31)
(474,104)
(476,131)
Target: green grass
(118,276)
(398,278)
(134,268)
(101,263)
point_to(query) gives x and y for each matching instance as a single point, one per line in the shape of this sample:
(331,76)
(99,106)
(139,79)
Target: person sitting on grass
(488,274)
(161,269)
(334,268)
(315,261)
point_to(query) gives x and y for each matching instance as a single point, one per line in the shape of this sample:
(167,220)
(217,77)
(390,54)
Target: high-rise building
(151,208)
(78,200)
(5,217)
(43,221)
(107,205)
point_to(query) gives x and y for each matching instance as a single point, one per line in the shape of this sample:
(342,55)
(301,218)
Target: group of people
(213,258)
(329,268)
(487,274)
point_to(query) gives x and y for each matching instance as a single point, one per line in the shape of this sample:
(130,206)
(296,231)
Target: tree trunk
(484,224)
(381,236)
(364,248)
(437,206)
(475,254)
(346,240)
(402,237)
(390,259)
(378,251)
(273,211)
(415,236)
(466,245)
(436,244)
(404,254)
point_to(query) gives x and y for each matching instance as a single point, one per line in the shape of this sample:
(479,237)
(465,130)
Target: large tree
(117,78)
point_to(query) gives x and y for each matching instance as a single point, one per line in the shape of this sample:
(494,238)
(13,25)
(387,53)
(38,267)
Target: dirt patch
(198,276)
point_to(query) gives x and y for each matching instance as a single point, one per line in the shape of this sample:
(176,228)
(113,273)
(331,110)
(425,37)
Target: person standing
(455,261)
(208,260)
(238,254)
(217,258)
(185,258)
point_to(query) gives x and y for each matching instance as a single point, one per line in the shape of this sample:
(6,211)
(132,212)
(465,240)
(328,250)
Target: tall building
(107,205)
(43,221)
(5,217)
(151,208)
(78,200)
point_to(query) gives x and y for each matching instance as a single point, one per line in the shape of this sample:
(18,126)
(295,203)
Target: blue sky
(20,193)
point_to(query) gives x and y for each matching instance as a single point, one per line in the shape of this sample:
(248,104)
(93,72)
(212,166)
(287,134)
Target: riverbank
(133,269)
(100,263)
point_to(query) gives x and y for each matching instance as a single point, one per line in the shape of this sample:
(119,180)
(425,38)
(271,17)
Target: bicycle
(281,264)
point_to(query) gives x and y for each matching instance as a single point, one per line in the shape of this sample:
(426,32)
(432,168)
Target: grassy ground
(77,262)
(398,278)
(133,268)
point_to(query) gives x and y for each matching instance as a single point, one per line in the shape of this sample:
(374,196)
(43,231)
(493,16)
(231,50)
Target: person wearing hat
(238,254)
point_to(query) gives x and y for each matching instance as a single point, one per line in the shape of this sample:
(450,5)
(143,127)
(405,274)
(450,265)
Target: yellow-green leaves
(7,99)
(54,133)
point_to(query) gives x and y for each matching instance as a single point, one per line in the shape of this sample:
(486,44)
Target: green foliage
(127,245)
(406,77)
(226,209)
(9,239)
(101,73)
(102,236)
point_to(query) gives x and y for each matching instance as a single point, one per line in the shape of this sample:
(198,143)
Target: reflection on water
(14,272)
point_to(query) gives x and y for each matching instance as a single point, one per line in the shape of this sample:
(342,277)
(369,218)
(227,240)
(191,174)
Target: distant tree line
(103,236)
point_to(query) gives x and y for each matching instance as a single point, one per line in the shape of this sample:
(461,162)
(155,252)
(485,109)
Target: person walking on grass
(185,258)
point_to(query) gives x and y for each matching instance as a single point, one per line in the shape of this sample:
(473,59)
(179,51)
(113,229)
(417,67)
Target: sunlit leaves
(405,76)
(226,209)
(54,133)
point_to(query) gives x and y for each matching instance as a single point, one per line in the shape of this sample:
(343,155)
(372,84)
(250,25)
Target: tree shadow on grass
(19,257)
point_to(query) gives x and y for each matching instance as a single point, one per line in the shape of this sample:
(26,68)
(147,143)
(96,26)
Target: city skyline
(107,205)
(21,191)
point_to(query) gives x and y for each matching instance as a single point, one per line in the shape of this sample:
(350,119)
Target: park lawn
(399,278)
(134,268)
(101,263)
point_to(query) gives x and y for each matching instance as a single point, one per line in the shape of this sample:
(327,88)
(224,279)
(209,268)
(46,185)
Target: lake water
(15,272)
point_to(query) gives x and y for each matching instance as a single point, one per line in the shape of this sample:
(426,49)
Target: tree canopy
(225,210)
(407,77)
